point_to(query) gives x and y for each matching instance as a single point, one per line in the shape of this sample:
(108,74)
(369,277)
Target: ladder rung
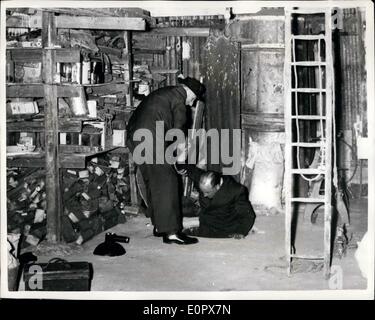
(307,257)
(307,144)
(308,90)
(308,200)
(307,171)
(305,117)
(308,63)
(308,37)
(308,11)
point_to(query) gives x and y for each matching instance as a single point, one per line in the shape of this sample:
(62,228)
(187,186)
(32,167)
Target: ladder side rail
(288,138)
(328,151)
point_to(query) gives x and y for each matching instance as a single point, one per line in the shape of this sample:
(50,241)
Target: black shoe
(179,238)
(157,233)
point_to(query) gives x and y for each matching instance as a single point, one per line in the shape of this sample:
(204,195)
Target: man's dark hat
(194,85)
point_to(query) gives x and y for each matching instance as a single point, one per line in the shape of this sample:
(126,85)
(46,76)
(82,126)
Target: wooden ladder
(293,120)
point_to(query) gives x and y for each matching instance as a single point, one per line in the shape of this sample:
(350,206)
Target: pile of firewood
(94,200)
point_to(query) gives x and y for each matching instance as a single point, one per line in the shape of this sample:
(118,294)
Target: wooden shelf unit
(49,55)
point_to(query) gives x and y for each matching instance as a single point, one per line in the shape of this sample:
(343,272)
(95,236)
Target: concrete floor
(254,263)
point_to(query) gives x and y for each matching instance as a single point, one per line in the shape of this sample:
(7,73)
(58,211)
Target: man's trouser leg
(150,210)
(165,201)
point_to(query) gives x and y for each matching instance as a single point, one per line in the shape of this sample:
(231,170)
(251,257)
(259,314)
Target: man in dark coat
(169,106)
(225,207)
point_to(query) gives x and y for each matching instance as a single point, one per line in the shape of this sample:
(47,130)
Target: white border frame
(202,8)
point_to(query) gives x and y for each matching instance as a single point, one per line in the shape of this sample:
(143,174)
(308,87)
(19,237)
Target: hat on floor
(194,85)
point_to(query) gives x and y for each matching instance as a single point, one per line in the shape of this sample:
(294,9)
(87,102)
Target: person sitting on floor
(225,209)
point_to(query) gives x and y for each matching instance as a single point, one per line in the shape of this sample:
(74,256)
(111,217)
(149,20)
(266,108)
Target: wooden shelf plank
(66,148)
(24,21)
(308,90)
(180,32)
(67,55)
(26,161)
(67,160)
(307,257)
(81,22)
(308,11)
(106,88)
(309,64)
(35,54)
(309,117)
(308,200)
(65,125)
(164,71)
(102,12)
(25,54)
(308,171)
(103,23)
(308,37)
(307,144)
(262,46)
(36,90)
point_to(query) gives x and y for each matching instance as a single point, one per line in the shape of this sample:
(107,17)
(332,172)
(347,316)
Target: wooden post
(51,130)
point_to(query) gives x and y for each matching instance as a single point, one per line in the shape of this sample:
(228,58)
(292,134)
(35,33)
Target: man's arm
(179,115)
(192,171)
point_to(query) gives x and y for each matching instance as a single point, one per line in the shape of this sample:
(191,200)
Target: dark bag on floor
(58,275)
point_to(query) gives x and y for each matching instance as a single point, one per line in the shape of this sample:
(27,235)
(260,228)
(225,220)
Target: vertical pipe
(128,52)
(173,59)
(167,59)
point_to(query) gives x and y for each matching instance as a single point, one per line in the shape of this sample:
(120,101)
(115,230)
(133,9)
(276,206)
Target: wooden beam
(67,55)
(68,91)
(102,23)
(264,122)
(153,51)
(37,91)
(102,12)
(180,32)
(65,148)
(65,125)
(142,41)
(24,22)
(28,162)
(72,161)
(65,161)
(106,88)
(24,91)
(35,54)
(25,54)
(164,71)
(81,22)
(51,134)
(262,46)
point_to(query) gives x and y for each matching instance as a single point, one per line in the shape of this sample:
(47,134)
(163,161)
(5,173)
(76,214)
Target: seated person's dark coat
(229,212)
